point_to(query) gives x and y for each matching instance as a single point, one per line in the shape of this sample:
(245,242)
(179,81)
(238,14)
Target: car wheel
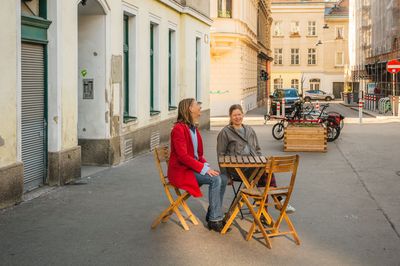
(328,99)
(307,99)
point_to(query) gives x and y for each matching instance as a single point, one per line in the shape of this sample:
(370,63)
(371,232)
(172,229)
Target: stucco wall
(8,83)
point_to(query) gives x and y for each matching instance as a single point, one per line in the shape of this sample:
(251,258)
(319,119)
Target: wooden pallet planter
(305,137)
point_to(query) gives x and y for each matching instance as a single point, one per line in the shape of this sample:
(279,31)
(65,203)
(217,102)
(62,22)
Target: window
(339,32)
(278,28)
(339,58)
(198,69)
(312,29)
(129,68)
(225,8)
(312,56)
(315,84)
(154,73)
(278,56)
(294,56)
(126,67)
(295,84)
(295,28)
(278,84)
(171,70)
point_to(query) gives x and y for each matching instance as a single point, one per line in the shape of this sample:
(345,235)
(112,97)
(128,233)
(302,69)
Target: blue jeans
(216,191)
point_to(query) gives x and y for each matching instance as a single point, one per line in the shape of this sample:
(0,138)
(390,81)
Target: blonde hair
(184,115)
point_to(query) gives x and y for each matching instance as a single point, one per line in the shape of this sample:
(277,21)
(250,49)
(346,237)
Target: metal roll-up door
(32,115)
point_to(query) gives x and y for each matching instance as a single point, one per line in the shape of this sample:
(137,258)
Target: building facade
(94,82)
(310,45)
(374,40)
(240,49)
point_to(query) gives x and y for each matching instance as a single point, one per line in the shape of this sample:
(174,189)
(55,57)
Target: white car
(318,95)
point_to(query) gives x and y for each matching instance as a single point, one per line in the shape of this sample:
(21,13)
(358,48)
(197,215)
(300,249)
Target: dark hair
(233,108)
(184,115)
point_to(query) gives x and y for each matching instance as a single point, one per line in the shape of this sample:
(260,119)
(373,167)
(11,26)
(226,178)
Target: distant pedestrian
(188,169)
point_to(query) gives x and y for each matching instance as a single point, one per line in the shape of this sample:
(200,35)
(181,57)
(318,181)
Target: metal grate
(154,140)
(128,149)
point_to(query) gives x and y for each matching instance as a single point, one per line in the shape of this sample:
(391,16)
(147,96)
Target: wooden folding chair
(161,155)
(285,164)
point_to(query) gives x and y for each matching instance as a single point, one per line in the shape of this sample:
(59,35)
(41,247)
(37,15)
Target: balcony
(224,14)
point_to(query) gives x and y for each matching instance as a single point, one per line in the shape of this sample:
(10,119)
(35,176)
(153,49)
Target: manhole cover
(398,173)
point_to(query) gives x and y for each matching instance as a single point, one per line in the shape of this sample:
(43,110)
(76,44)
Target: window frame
(278,57)
(312,28)
(294,57)
(312,56)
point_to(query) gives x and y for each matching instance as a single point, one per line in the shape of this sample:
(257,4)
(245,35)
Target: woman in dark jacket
(239,139)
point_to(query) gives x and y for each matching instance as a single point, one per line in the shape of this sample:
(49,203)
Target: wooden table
(238,163)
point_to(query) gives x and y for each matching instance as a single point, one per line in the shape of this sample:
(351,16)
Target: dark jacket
(229,142)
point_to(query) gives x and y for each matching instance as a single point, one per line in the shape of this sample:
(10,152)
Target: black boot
(216,226)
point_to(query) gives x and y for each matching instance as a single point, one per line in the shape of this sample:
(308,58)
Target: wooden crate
(310,137)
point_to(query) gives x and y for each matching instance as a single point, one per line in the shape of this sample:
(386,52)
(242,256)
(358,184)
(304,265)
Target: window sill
(312,36)
(339,66)
(128,119)
(294,36)
(278,64)
(294,64)
(172,108)
(278,36)
(154,113)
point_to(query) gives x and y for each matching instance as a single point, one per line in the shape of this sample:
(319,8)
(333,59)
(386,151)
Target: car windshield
(285,93)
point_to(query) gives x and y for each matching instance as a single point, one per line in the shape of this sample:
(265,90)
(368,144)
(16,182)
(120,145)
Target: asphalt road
(347,201)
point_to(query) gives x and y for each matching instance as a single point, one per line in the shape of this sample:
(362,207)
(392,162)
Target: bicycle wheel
(278,131)
(341,124)
(333,129)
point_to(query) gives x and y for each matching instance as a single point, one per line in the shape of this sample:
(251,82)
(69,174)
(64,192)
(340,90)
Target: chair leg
(173,207)
(186,208)
(232,217)
(189,213)
(283,215)
(257,221)
(181,219)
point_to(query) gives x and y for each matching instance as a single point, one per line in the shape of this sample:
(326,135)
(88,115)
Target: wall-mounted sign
(83,73)
(88,92)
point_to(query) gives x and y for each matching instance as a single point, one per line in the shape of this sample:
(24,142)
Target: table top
(242,161)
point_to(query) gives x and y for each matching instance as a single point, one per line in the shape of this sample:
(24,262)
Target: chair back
(161,157)
(282,164)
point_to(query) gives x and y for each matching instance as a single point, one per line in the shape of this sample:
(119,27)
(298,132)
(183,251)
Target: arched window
(278,84)
(295,84)
(315,84)
(225,8)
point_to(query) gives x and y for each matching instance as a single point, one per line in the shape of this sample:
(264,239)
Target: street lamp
(318,43)
(325,26)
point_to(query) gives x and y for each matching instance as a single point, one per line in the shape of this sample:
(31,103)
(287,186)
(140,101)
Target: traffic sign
(393,66)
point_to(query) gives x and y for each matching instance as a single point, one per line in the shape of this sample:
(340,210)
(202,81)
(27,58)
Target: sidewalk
(347,205)
(255,117)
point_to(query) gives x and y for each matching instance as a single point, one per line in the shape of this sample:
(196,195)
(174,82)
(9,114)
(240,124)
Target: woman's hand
(212,172)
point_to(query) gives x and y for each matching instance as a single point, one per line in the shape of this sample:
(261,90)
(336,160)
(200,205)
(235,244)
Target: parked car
(318,95)
(291,96)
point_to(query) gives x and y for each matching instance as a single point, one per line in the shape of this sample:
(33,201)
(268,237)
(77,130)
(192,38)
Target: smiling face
(236,118)
(195,111)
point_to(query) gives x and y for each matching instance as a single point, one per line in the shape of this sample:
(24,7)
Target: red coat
(182,163)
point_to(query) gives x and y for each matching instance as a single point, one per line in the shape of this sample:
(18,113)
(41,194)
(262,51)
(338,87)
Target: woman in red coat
(188,169)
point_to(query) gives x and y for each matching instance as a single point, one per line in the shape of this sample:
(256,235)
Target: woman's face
(195,111)
(237,117)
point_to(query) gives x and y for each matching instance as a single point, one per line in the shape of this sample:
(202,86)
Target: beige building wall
(8,83)
(234,51)
(11,169)
(326,69)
